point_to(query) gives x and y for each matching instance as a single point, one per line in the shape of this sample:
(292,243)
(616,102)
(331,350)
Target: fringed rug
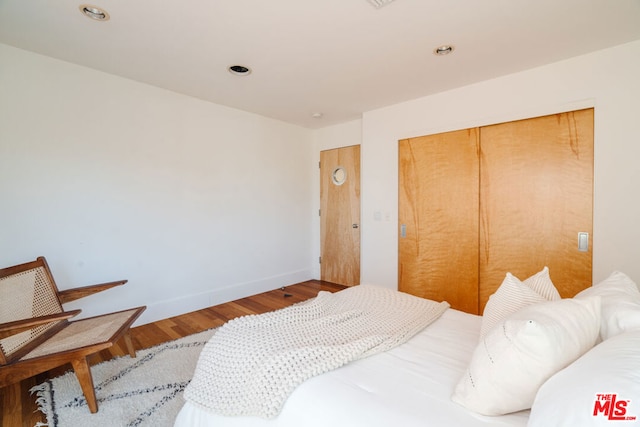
(145,391)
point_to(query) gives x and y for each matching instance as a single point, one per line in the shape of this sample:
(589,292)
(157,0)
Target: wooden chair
(36,335)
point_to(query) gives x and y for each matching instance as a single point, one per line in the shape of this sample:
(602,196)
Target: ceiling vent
(379,3)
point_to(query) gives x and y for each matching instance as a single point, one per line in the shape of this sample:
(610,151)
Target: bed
(582,369)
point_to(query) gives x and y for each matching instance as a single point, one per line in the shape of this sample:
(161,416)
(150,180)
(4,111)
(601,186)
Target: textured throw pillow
(526,349)
(600,388)
(620,304)
(513,295)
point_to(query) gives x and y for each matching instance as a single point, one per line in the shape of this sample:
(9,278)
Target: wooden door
(340,215)
(536,196)
(438,218)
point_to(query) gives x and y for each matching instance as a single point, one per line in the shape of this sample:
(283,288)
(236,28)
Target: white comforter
(408,386)
(252,364)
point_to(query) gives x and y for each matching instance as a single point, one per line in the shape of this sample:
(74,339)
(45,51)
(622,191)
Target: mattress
(410,385)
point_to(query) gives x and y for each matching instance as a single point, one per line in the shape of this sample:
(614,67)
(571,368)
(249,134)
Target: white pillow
(541,283)
(620,304)
(513,295)
(526,349)
(610,368)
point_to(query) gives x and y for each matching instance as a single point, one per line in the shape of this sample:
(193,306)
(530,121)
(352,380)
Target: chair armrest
(17,326)
(69,295)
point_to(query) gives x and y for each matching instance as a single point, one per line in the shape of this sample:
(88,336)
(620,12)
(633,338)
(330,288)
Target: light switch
(583,242)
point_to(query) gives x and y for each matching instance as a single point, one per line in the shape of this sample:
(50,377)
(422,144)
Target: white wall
(197,204)
(193,202)
(606,80)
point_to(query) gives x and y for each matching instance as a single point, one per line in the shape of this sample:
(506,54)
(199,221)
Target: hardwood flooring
(18,408)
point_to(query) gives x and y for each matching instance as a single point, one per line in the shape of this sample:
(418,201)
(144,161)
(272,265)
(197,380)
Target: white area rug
(145,391)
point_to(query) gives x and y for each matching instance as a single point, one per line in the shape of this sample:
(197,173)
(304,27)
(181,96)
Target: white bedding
(253,363)
(410,385)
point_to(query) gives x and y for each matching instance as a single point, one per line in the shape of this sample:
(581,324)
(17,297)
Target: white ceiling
(337,57)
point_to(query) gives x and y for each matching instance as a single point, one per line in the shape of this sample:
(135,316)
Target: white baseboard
(188,303)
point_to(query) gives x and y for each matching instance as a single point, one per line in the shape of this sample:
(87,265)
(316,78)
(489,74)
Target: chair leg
(83,373)
(130,348)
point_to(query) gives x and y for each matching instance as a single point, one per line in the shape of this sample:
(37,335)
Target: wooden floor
(18,408)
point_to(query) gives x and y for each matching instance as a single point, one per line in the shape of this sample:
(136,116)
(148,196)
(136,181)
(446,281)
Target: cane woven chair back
(28,292)
(36,335)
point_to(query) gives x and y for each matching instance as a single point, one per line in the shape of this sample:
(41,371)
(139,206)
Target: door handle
(354,225)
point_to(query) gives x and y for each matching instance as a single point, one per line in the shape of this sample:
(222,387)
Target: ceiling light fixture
(94,12)
(443,50)
(239,70)
(317,115)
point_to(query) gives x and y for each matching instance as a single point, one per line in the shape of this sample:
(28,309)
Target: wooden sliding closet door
(438,218)
(536,195)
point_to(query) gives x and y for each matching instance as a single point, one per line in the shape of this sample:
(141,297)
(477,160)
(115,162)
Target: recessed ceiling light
(94,12)
(239,70)
(317,115)
(443,50)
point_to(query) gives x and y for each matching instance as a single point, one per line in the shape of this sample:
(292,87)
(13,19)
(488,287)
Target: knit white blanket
(252,363)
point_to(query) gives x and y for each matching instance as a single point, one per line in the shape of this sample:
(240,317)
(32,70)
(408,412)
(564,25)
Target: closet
(477,203)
